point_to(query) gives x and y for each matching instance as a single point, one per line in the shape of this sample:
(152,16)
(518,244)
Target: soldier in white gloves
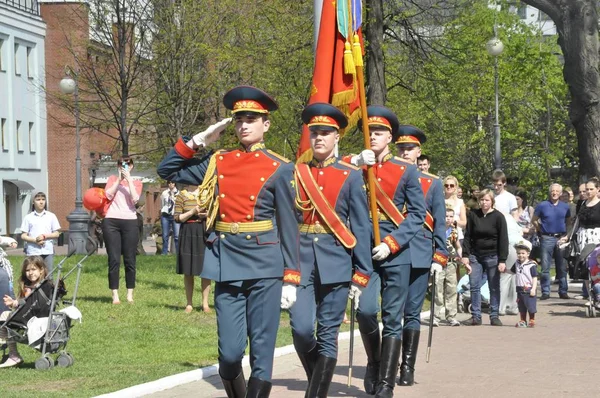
(428,251)
(252,245)
(335,245)
(397,187)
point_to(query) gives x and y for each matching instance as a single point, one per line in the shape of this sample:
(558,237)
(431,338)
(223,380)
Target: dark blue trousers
(368,305)
(392,284)
(325,304)
(416,296)
(250,311)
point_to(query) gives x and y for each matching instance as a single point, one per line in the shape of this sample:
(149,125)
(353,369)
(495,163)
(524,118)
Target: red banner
(330,84)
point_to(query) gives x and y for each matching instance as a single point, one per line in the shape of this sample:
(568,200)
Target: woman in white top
(460,215)
(523,216)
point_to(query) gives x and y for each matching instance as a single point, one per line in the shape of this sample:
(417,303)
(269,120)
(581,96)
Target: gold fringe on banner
(357,51)
(305,157)
(349,67)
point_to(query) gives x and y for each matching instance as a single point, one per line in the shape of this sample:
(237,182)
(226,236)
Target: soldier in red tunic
(397,189)
(252,246)
(335,234)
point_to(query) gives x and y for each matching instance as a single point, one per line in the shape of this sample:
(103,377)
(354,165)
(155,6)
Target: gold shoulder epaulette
(402,160)
(353,167)
(278,156)
(431,175)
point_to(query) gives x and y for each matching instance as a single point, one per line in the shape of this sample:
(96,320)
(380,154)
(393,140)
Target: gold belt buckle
(234,228)
(319,229)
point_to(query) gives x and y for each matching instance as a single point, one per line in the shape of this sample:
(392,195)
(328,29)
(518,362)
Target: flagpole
(318,7)
(360,77)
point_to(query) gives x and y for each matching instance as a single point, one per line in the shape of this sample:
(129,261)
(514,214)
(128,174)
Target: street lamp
(79,218)
(495,47)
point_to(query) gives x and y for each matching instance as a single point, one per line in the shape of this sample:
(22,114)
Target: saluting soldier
(397,188)
(428,252)
(253,243)
(334,234)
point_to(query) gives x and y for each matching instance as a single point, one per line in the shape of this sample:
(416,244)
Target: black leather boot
(410,347)
(372,343)
(235,388)
(321,378)
(388,368)
(309,361)
(258,388)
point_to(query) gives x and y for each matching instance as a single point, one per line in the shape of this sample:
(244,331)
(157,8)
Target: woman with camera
(120,227)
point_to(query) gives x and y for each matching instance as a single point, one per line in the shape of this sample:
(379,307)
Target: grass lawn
(118,346)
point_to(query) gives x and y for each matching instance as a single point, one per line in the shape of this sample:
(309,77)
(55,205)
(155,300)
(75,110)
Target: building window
(522,11)
(17,63)
(544,17)
(4,135)
(32,142)
(2,56)
(19,137)
(30,68)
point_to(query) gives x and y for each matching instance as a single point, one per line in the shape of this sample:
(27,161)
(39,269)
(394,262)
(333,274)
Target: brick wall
(59,18)
(67,35)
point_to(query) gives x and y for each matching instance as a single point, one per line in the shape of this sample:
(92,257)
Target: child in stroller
(593,263)
(33,299)
(464,294)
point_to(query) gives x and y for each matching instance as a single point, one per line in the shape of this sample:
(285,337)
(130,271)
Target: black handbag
(571,251)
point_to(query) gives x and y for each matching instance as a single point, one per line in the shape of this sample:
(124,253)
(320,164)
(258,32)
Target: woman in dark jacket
(485,249)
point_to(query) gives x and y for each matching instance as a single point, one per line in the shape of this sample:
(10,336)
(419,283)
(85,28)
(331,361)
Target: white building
(536,18)
(23,156)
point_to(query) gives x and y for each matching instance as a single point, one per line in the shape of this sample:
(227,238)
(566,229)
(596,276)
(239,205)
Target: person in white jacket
(6,270)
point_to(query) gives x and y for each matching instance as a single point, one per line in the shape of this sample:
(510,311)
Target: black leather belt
(553,235)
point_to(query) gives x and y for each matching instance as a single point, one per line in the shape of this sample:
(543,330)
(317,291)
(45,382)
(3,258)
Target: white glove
(365,157)
(436,267)
(211,134)
(354,293)
(288,296)
(381,252)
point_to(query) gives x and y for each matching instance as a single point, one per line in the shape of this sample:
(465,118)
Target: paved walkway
(555,359)
(149,248)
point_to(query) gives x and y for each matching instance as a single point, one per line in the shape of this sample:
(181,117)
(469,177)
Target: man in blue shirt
(551,218)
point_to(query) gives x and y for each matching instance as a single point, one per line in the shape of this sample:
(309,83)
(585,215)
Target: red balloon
(94,199)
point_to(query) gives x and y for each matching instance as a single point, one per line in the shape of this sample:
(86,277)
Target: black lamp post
(79,218)
(495,47)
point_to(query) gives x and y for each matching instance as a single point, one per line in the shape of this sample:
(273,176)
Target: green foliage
(449,91)
(214,46)
(118,346)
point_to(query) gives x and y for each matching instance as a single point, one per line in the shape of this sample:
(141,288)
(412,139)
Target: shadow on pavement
(335,390)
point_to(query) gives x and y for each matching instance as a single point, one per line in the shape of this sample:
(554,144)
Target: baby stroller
(50,332)
(464,294)
(593,276)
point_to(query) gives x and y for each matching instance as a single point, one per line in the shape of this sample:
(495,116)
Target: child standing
(38,229)
(526,276)
(445,279)
(33,272)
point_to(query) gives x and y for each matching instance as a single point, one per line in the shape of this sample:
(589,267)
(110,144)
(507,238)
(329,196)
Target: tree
(113,74)
(203,49)
(577,25)
(445,86)
(375,61)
